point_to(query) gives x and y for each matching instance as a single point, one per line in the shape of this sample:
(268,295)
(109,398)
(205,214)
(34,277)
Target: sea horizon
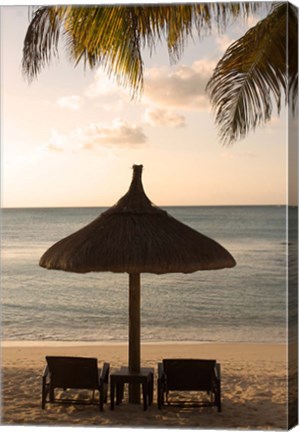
(160,205)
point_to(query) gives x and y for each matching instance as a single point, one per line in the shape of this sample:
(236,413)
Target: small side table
(145,377)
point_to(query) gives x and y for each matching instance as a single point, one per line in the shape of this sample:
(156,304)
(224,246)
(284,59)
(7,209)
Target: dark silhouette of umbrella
(135,236)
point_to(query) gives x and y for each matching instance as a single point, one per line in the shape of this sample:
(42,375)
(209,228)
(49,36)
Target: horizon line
(161,205)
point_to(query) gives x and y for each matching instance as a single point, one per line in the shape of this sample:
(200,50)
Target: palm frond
(113,36)
(107,36)
(41,40)
(252,74)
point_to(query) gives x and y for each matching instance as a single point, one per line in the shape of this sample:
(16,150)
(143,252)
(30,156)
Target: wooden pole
(134,333)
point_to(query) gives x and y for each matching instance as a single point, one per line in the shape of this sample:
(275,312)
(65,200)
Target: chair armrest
(161,373)
(45,386)
(161,387)
(217,372)
(46,372)
(105,373)
(217,386)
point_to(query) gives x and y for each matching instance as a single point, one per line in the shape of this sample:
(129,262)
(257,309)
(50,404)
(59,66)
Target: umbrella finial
(137,169)
(136,183)
(137,173)
(135,200)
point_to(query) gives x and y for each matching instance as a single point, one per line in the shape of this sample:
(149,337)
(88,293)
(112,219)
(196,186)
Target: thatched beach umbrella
(134,236)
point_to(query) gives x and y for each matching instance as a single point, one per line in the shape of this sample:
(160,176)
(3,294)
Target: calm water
(244,304)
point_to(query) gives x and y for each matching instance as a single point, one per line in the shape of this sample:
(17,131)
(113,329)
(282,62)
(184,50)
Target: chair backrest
(189,374)
(73,372)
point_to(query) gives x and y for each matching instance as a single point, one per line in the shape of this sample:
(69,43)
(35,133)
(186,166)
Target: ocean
(247,303)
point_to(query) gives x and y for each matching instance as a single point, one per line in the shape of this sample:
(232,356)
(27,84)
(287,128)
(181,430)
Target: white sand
(254,387)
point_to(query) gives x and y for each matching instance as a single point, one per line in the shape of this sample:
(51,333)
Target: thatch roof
(135,236)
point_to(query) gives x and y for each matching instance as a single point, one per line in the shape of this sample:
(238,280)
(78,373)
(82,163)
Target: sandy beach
(253,387)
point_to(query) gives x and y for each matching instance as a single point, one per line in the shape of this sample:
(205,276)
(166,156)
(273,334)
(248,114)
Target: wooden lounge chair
(74,373)
(189,375)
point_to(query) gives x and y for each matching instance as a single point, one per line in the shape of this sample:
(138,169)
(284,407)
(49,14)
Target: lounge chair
(74,373)
(189,375)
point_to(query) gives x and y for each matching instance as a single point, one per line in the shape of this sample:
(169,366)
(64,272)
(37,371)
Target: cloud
(223,42)
(102,85)
(57,142)
(70,102)
(104,92)
(112,96)
(162,117)
(118,133)
(52,147)
(182,87)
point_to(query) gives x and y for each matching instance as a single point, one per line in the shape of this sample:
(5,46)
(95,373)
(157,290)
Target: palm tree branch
(249,76)
(109,37)
(41,40)
(113,36)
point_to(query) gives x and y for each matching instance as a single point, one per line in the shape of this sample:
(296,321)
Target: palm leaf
(107,36)
(252,74)
(113,36)
(41,40)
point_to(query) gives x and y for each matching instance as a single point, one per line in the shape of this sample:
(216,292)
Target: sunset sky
(71,137)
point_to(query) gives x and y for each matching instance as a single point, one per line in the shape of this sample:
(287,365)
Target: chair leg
(51,394)
(102,399)
(218,398)
(105,393)
(144,395)
(219,404)
(150,390)
(112,392)
(160,394)
(119,393)
(44,395)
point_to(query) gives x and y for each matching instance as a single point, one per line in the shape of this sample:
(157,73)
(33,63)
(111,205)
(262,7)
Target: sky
(71,137)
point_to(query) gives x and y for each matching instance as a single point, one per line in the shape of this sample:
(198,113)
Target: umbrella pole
(134,333)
